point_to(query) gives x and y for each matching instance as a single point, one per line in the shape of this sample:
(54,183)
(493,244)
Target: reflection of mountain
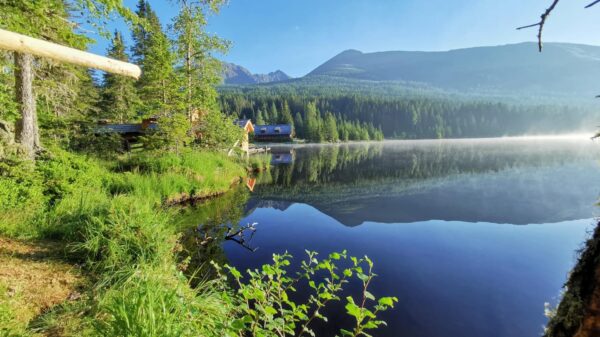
(510,181)
(254,203)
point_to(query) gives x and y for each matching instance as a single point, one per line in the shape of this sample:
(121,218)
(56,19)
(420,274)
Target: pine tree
(330,128)
(311,123)
(200,71)
(158,88)
(299,125)
(119,96)
(259,118)
(142,32)
(286,114)
(273,114)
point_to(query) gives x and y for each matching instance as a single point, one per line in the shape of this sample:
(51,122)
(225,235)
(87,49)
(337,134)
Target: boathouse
(273,133)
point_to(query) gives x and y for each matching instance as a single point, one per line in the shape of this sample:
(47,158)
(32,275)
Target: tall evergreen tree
(259,118)
(286,114)
(158,87)
(119,96)
(330,128)
(200,70)
(299,125)
(311,123)
(142,31)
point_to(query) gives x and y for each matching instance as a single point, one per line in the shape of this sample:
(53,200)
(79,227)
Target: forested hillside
(474,92)
(410,115)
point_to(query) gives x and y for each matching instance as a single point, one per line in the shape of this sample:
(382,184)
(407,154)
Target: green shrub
(263,304)
(22,196)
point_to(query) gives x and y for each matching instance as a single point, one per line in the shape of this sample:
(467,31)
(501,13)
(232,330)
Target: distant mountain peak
(351,52)
(236,74)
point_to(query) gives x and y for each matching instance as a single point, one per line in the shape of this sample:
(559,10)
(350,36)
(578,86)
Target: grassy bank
(119,264)
(110,217)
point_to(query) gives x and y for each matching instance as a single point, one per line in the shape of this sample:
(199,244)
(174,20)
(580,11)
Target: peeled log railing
(27,45)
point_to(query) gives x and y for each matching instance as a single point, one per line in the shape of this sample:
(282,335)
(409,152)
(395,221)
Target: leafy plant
(264,300)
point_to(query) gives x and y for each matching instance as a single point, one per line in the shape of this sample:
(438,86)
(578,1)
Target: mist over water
(472,236)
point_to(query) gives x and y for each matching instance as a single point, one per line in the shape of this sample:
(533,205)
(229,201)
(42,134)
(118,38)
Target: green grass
(8,324)
(113,217)
(155,302)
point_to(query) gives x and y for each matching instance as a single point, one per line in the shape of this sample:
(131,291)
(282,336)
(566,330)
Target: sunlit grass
(114,219)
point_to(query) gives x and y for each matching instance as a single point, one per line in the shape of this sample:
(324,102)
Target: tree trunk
(188,61)
(28,134)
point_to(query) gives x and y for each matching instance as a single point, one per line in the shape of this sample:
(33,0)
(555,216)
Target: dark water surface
(472,236)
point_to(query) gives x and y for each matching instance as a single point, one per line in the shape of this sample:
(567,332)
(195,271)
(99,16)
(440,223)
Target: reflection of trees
(204,227)
(327,172)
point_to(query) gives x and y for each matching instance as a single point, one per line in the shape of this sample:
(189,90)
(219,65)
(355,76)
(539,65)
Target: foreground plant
(264,306)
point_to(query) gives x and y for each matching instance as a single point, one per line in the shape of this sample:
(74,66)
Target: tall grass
(113,217)
(154,302)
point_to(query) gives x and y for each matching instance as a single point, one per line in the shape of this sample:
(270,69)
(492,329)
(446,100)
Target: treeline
(309,122)
(413,116)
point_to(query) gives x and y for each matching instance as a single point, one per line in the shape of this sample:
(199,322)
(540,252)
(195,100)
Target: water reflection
(205,226)
(432,216)
(514,181)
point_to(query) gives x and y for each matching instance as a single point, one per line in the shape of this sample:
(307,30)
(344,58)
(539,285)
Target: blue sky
(298,35)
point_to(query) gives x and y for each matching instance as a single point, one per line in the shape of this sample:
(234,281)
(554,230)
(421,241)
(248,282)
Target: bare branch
(542,22)
(593,3)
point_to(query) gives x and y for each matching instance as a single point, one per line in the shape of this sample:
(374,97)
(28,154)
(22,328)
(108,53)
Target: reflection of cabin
(248,127)
(273,133)
(129,131)
(282,157)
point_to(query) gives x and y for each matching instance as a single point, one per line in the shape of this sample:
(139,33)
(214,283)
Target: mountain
(235,74)
(562,69)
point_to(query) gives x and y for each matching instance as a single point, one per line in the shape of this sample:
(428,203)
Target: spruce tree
(119,96)
(201,71)
(158,87)
(259,118)
(286,114)
(299,125)
(330,128)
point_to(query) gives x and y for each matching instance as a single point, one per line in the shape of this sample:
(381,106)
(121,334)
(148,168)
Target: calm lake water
(472,236)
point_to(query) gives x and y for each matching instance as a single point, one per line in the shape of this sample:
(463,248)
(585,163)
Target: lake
(472,236)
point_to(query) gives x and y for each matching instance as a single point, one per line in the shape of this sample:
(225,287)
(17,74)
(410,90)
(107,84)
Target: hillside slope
(562,69)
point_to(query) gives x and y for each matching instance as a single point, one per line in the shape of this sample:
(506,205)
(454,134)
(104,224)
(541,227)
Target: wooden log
(28,45)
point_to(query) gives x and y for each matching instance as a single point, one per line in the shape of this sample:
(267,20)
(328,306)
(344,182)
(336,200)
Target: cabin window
(278,130)
(263,130)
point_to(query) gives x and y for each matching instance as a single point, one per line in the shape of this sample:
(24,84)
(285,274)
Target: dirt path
(34,277)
